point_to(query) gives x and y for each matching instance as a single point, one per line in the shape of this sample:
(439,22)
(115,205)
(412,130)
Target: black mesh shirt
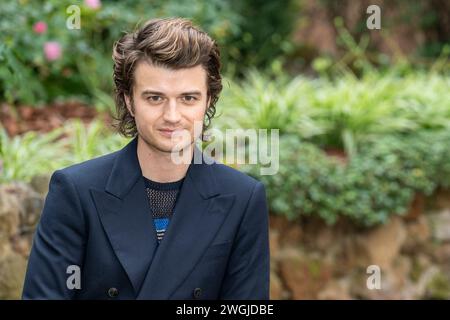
(162,198)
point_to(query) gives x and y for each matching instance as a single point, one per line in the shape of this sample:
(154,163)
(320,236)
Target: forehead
(149,76)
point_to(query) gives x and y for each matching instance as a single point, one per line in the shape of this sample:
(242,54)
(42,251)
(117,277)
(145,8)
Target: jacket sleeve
(58,243)
(248,272)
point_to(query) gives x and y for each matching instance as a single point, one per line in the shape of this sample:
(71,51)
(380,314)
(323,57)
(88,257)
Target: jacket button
(113,292)
(197,293)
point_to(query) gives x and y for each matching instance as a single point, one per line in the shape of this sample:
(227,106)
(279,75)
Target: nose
(171,113)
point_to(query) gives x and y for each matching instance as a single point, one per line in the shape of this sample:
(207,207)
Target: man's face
(167,103)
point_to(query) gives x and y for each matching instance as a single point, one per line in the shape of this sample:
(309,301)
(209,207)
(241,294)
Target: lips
(168,132)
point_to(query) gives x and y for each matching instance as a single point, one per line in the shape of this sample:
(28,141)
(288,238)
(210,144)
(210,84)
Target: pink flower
(40,27)
(52,50)
(93,4)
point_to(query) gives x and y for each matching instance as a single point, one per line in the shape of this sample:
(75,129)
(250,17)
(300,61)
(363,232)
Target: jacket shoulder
(232,179)
(90,171)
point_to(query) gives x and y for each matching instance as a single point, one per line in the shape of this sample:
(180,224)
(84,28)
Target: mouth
(168,132)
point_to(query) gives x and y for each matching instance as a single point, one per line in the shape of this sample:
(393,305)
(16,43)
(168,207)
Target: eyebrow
(190,93)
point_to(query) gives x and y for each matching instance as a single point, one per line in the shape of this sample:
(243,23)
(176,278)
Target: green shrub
(84,69)
(262,102)
(261,34)
(338,113)
(378,182)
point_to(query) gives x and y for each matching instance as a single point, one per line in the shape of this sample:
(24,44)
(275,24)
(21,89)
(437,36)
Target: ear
(129,105)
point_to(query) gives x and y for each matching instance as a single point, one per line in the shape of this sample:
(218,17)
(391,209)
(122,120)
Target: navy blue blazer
(97,216)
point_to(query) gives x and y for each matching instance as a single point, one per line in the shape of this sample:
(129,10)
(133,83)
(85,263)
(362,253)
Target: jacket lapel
(198,214)
(123,209)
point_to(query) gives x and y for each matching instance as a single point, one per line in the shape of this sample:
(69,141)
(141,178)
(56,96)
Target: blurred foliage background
(364,115)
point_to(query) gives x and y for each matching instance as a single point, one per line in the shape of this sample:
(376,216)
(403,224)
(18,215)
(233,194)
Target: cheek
(197,113)
(145,114)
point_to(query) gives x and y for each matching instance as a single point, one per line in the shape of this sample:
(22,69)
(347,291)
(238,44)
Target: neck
(158,166)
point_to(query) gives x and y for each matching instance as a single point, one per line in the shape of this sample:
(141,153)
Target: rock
(19,199)
(418,233)
(5,246)
(40,184)
(416,207)
(442,254)
(325,239)
(336,290)
(290,232)
(277,222)
(292,235)
(381,245)
(392,281)
(9,212)
(442,199)
(22,245)
(440,225)
(438,287)
(419,263)
(317,235)
(419,285)
(276,287)
(304,275)
(32,208)
(274,242)
(12,273)
(311,260)
(398,279)
(32,205)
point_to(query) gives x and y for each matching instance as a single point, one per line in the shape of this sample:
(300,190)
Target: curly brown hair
(170,42)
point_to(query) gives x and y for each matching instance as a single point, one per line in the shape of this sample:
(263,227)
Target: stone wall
(20,208)
(309,260)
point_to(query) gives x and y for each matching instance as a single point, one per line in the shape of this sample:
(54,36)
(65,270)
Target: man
(135,224)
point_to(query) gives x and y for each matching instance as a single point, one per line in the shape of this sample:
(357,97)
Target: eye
(190,98)
(154,98)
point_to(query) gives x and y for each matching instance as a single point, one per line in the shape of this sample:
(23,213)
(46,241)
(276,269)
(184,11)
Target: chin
(172,146)
(164,144)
